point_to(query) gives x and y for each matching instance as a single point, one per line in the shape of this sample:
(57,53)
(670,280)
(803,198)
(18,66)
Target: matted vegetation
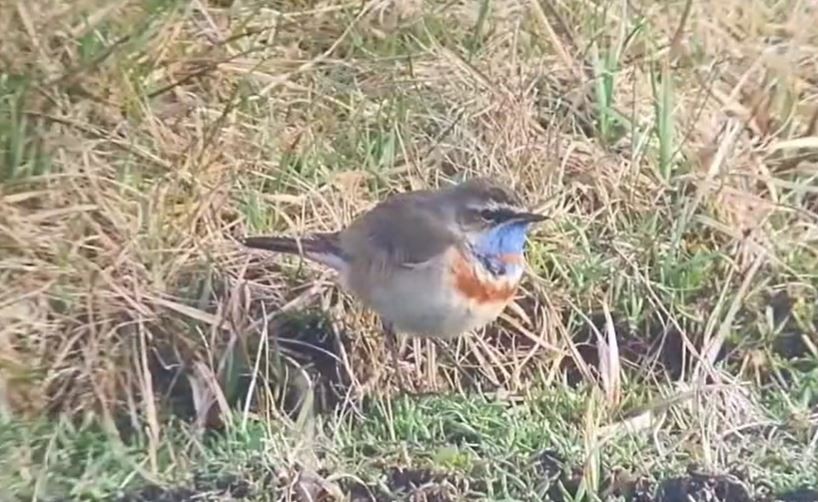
(663,345)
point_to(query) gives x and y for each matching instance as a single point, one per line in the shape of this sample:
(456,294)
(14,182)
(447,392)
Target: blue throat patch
(504,239)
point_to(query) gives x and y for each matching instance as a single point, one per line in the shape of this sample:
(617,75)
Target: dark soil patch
(695,485)
(698,486)
(656,344)
(560,482)
(310,344)
(790,343)
(402,483)
(202,489)
(557,474)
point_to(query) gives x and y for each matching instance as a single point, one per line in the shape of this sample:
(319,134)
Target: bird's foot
(391,341)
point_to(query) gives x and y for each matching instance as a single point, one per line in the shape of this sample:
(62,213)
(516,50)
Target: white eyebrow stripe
(494,206)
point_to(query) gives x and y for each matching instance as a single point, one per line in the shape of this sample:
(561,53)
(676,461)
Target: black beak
(527,217)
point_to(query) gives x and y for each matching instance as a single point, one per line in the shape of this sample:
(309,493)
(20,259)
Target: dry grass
(674,150)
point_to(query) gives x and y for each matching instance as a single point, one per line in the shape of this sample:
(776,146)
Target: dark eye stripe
(497,215)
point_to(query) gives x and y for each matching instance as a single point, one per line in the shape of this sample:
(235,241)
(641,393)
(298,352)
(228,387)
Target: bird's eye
(487,214)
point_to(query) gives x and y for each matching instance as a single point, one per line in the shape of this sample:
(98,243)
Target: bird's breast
(481,286)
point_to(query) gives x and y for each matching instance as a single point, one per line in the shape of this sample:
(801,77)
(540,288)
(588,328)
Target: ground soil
(427,485)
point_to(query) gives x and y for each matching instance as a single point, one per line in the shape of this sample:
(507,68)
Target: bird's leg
(445,350)
(391,341)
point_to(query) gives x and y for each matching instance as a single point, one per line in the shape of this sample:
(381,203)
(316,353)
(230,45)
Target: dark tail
(323,248)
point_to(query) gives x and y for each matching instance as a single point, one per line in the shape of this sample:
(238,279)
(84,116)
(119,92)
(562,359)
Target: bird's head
(490,217)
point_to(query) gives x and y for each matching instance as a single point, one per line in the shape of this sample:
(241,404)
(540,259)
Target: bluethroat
(430,263)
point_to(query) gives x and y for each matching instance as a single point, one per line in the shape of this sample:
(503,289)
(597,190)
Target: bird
(431,263)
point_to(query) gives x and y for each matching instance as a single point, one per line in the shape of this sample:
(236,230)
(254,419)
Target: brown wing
(404,230)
